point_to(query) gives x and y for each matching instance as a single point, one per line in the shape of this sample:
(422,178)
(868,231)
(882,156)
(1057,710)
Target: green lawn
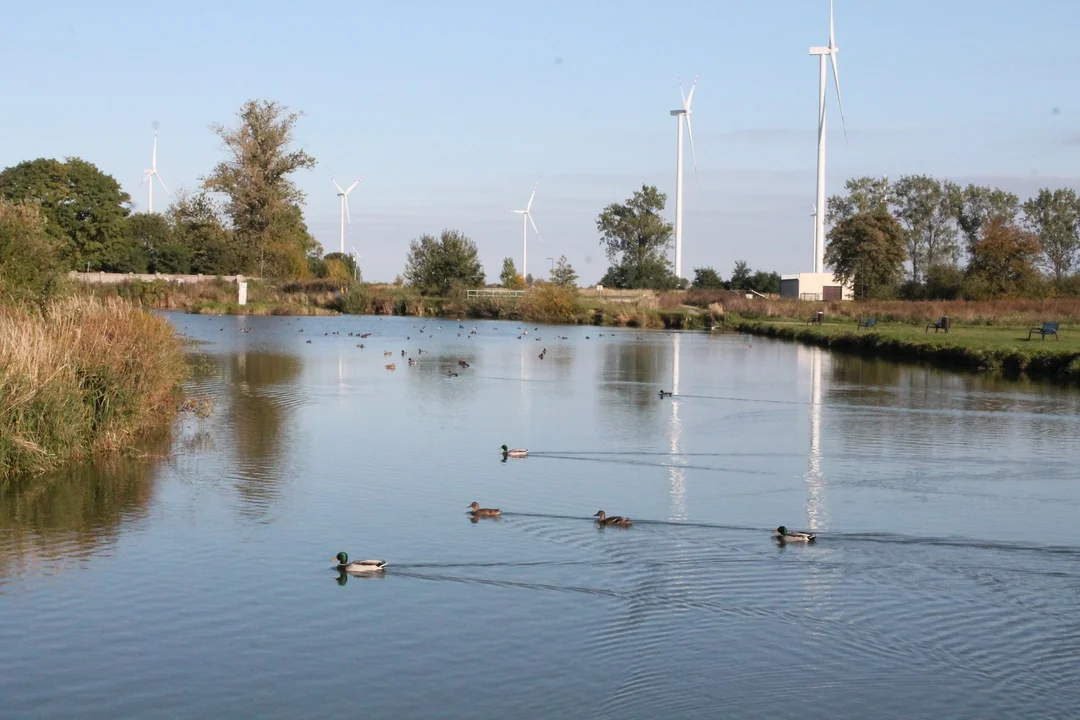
(981,336)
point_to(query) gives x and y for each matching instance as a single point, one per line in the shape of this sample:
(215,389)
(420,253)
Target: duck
(344,565)
(462,363)
(785,535)
(451,373)
(516,453)
(391,366)
(617,520)
(476,511)
(665,393)
(412,361)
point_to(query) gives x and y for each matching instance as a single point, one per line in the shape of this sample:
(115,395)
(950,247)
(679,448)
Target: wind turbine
(822,53)
(526,220)
(813,218)
(151,174)
(344,195)
(356,263)
(682,114)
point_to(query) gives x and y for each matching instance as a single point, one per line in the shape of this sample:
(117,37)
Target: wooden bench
(868,323)
(943,324)
(1050,328)
(816,318)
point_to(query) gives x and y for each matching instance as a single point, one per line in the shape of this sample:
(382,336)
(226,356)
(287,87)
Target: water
(196,581)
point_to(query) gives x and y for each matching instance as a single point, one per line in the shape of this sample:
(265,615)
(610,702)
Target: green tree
(509,277)
(925,209)
(765,282)
(263,203)
(706,278)
(28,254)
(435,264)
(974,206)
(152,242)
(1054,217)
(82,206)
(636,238)
(740,276)
(347,263)
(1003,261)
(867,250)
(563,274)
(197,227)
(863,195)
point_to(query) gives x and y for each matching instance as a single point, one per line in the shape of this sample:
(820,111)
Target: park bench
(816,318)
(943,324)
(1050,328)
(868,323)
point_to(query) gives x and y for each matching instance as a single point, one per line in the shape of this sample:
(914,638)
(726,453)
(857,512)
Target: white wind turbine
(682,114)
(344,195)
(526,220)
(822,53)
(151,174)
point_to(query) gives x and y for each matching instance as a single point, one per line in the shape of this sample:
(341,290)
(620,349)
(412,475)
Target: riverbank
(82,377)
(986,348)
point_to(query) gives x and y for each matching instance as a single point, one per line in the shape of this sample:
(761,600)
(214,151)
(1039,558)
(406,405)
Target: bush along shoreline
(1039,360)
(81,376)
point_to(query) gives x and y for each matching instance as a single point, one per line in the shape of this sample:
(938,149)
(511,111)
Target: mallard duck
(783,535)
(618,520)
(391,366)
(343,564)
(518,453)
(665,393)
(412,361)
(476,511)
(462,363)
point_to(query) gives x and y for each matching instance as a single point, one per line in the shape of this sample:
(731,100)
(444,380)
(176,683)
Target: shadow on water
(631,371)
(62,519)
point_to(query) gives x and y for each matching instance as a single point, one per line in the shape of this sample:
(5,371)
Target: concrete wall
(104,278)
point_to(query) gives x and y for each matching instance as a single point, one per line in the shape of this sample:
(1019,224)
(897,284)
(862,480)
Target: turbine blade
(682,94)
(352,186)
(153,158)
(336,185)
(690,132)
(162,184)
(836,80)
(347,215)
(529,215)
(689,98)
(529,206)
(832,27)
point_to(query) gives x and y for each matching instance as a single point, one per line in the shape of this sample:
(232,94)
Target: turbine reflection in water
(811,359)
(676,477)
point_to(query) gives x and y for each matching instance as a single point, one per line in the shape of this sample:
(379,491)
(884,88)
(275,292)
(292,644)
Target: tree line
(923,237)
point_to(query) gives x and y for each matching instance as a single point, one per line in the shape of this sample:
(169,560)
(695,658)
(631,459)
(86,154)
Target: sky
(453,111)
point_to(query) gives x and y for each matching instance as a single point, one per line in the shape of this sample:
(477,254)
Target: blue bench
(868,323)
(943,324)
(1047,329)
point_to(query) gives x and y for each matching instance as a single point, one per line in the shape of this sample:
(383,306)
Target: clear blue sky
(453,110)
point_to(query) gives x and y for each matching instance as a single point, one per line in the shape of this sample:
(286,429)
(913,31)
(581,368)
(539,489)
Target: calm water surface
(196,582)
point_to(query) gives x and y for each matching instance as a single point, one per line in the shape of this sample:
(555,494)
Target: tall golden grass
(85,375)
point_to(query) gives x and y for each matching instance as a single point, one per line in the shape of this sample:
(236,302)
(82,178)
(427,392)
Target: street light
(552,263)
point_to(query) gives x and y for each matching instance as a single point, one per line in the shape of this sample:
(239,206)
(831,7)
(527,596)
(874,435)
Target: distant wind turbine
(682,114)
(526,220)
(344,195)
(822,53)
(151,174)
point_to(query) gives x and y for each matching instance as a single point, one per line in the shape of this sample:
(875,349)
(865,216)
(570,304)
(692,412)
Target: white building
(814,286)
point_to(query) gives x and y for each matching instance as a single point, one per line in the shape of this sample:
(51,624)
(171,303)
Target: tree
(765,282)
(153,244)
(509,278)
(28,254)
(864,195)
(925,209)
(974,206)
(196,225)
(867,250)
(706,278)
(563,274)
(529,280)
(635,238)
(263,203)
(1054,217)
(740,276)
(341,266)
(1004,259)
(434,264)
(82,207)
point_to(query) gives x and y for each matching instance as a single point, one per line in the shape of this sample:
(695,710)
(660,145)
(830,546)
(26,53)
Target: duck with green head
(344,565)
(785,535)
(517,453)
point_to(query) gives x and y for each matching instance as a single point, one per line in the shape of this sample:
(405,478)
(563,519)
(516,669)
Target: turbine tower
(526,220)
(819,220)
(682,114)
(344,195)
(151,174)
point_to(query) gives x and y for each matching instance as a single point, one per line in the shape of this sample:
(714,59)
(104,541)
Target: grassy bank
(993,348)
(83,376)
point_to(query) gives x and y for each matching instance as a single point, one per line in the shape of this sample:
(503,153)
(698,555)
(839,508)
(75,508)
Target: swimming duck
(618,520)
(783,535)
(412,361)
(518,453)
(462,363)
(391,366)
(665,393)
(343,563)
(476,511)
